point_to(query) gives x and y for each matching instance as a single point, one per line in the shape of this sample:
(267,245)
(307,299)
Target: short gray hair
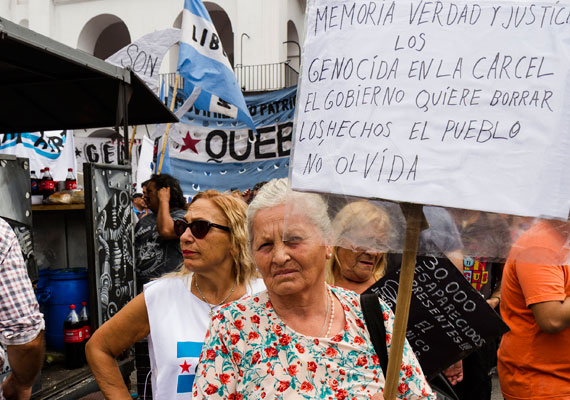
(277,192)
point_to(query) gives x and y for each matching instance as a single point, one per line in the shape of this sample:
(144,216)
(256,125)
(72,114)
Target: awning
(46,85)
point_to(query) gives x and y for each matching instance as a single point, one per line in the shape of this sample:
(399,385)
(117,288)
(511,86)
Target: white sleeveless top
(178,324)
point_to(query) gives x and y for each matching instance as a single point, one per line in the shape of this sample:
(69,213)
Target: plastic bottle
(41,182)
(34,180)
(73,340)
(70,181)
(86,324)
(48,184)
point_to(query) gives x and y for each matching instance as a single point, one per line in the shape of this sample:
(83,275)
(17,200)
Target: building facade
(256,34)
(261,37)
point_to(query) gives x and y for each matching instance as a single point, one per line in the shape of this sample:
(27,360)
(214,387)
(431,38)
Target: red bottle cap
(83,303)
(72,306)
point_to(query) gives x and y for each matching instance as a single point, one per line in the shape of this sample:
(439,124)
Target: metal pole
(298,47)
(126,99)
(241,47)
(241,57)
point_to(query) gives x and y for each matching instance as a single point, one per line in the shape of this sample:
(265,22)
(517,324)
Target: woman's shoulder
(255,286)
(178,213)
(352,300)
(346,295)
(253,304)
(165,283)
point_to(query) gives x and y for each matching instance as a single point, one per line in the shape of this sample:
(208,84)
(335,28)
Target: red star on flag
(185,367)
(189,143)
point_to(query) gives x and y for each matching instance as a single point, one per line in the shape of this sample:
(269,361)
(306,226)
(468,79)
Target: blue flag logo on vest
(184,351)
(204,65)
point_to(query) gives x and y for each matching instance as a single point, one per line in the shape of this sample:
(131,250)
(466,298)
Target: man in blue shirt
(139,206)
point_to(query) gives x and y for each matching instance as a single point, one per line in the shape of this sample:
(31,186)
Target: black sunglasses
(199,228)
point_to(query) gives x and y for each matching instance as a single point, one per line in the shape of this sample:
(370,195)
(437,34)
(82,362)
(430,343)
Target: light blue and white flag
(209,152)
(203,64)
(53,149)
(165,167)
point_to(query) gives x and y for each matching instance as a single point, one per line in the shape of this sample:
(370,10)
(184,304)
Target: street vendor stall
(49,86)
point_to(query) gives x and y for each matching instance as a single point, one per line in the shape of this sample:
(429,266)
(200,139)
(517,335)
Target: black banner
(448,318)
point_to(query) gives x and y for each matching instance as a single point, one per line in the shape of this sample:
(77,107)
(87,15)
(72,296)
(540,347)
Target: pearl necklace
(211,312)
(332,311)
(326,318)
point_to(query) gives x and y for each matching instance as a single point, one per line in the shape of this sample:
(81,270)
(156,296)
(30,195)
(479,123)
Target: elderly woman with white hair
(301,338)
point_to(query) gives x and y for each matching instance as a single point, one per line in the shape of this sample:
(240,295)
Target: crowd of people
(271,341)
(298,299)
(256,295)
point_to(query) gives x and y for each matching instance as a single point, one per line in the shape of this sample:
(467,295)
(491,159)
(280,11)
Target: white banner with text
(456,104)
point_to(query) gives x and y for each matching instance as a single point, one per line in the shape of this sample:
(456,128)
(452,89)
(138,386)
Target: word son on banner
(448,318)
(210,151)
(145,55)
(457,104)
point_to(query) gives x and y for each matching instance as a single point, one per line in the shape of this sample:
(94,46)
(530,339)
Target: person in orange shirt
(534,357)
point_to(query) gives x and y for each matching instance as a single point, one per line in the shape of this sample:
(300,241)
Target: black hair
(145,183)
(177,199)
(258,186)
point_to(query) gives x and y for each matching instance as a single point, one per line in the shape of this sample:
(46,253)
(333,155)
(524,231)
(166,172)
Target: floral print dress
(250,353)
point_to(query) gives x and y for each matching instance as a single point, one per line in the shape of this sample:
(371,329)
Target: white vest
(178,324)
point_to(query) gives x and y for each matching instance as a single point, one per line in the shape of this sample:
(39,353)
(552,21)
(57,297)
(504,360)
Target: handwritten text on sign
(448,318)
(458,104)
(145,55)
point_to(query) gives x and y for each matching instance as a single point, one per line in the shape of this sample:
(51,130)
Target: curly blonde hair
(359,216)
(234,210)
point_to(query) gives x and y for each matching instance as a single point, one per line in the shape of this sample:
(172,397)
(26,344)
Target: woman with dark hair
(176,198)
(175,310)
(157,249)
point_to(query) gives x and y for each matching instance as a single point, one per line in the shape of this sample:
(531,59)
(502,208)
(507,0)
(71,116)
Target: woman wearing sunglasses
(175,311)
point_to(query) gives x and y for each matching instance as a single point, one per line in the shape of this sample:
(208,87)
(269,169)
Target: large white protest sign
(458,104)
(144,167)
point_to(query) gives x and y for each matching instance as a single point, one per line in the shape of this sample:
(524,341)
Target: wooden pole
(132,141)
(414,224)
(165,138)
